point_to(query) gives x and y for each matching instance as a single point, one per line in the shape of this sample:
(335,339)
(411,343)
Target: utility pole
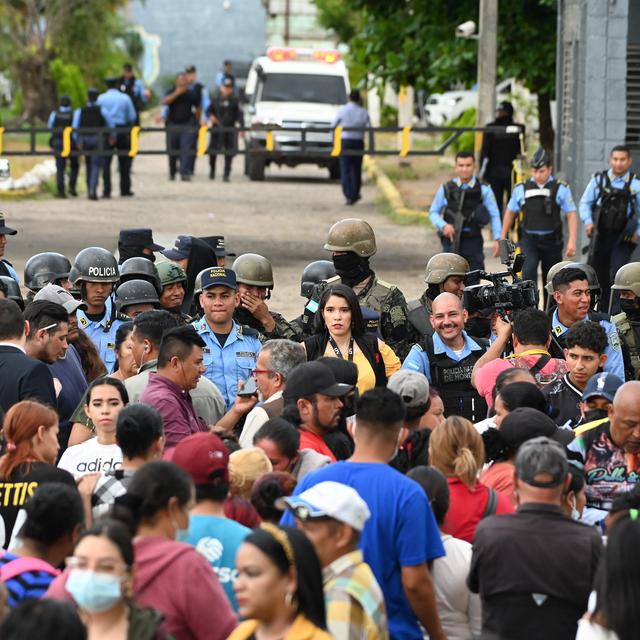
(287,15)
(487,55)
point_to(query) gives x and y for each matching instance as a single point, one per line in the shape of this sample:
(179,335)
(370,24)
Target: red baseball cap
(200,455)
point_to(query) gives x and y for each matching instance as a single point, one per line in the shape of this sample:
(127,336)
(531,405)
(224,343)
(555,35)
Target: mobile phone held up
(250,388)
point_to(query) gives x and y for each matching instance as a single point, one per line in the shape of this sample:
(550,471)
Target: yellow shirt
(301,629)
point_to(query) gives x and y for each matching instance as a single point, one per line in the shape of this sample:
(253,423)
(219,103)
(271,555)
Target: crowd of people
(181,461)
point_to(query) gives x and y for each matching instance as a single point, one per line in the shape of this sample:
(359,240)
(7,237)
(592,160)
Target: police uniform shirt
(593,192)
(488,200)
(418,360)
(565,398)
(102,334)
(12,272)
(564,200)
(204,102)
(117,108)
(227,364)
(351,115)
(615,361)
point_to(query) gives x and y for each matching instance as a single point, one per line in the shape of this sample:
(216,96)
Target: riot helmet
(140,269)
(314,273)
(552,272)
(13,290)
(45,268)
(94,264)
(136,292)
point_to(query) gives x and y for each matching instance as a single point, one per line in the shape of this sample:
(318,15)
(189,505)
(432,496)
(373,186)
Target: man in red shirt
(312,402)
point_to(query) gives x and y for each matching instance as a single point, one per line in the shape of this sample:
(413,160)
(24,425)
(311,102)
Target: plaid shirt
(355,604)
(109,487)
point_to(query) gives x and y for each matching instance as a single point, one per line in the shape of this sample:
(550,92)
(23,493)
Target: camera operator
(531,339)
(447,357)
(573,296)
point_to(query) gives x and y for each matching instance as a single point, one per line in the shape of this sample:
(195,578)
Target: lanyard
(530,352)
(337,350)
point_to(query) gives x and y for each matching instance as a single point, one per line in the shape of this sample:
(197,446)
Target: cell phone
(250,388)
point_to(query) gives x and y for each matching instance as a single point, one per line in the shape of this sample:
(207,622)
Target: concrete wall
(591,87)
(200,32)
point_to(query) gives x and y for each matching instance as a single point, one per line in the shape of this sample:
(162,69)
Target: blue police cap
(219,277)
(181,250)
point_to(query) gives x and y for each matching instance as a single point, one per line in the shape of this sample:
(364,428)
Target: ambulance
(299,88)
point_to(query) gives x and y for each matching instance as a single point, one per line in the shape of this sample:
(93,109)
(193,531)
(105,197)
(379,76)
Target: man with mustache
(447,358)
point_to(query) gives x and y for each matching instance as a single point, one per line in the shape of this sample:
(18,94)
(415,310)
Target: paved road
(285,218)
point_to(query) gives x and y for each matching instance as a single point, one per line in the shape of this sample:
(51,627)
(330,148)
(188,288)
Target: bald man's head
(624,415)
(448,317)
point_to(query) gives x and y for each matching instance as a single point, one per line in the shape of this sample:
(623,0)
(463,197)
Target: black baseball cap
(524,423)
(218,245)
(181,249)
(313,377)
(138,238)
(505,106)
(4,230)
(542,457)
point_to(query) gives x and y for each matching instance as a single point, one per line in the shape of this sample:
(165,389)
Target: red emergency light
(278,54)
(329,57)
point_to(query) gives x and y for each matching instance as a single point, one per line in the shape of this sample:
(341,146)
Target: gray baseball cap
(411,386)
(59,295)
(542,462)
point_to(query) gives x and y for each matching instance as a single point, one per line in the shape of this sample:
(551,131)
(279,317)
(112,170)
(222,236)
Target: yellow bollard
(66,142)
(269,141)
(133,149)
(406,142)
(1,139)
(202,140)
(337,142)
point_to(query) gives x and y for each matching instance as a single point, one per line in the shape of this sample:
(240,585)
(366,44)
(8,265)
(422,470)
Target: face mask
(478,327)
(630,307)
(595,414)
(575,514)
(351,268)
(94,592)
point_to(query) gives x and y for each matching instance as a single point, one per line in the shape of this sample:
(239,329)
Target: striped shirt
(27,584)
(355,604)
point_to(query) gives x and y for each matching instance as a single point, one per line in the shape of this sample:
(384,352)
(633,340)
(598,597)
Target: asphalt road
(285,218)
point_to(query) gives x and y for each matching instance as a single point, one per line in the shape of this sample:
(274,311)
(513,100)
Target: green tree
(77,32)
(412,42)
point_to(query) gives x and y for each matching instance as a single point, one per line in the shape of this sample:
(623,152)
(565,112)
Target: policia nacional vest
(91,116)
(612,217)
(466,201)
(61,120)
(541,211)
(559,343)
(452,379)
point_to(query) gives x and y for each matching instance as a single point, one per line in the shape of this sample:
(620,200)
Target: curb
(389,190)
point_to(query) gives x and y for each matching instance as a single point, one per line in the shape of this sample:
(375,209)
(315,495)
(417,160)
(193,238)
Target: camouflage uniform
(283,329)
(628,279)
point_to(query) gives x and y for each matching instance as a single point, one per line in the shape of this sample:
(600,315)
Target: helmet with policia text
(253,269)
(628,278)
(94,264)
(443,265)
(13,290)
(352,234)
(552,272)
(138,268)
(136,292)
(314,273)
(45,268)
(170,273)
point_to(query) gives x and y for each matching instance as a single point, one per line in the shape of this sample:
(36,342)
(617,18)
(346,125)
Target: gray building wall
(591,86)
(200,32)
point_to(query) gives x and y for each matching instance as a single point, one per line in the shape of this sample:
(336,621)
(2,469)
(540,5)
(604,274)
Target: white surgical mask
(575,514)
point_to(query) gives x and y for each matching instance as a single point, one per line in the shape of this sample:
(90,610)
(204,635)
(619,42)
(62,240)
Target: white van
(300,88)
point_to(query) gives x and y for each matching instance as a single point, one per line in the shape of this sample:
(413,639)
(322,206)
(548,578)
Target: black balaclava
(126,251)
(202,256)
(631,308)
(351,268)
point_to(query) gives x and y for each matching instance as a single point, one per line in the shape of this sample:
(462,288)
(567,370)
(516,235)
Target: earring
(290,600)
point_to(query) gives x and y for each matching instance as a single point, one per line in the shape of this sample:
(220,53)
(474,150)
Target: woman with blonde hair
(457,450)
(245,467)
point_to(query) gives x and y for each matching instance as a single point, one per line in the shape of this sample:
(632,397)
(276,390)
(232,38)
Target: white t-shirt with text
(91,457)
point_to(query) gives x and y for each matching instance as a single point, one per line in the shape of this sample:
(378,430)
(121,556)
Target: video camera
(501,295)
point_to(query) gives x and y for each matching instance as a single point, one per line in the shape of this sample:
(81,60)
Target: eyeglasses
(255,372)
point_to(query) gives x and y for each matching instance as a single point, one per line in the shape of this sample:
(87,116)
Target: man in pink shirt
(531,338)
(313,402)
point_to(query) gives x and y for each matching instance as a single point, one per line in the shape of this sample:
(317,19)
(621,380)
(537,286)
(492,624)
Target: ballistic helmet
(443,265)
(252,269)
(628,278)
(13,290)
(170,273)
(44,268)
(352,234)
(140,269)
(136,292)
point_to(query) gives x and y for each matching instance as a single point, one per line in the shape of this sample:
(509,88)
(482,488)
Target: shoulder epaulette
(121,316)
(248,331)
(385,284)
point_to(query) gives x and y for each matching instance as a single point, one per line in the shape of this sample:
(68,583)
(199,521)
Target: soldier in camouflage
(174,280)
(254,275)
(444,272)
(627,282)
(352,242)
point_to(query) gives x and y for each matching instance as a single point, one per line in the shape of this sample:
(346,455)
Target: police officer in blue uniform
(465,196)
(119,111)
(572,294)
(232,350)
(95,272)
(543,201)
(6,268)
(610,212)
(202,100)
(133,87)
(59,120)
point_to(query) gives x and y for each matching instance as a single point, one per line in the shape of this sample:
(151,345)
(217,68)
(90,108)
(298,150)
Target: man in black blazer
(21,377)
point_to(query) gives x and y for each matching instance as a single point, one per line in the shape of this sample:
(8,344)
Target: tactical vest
(466,201)
(541,211)
(559,343)
(91,116)
(61,120)
(452,379)
(627,332)
(613,204)
(126,86)
(418,316)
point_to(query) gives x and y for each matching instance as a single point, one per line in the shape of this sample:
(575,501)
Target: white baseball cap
(330,500)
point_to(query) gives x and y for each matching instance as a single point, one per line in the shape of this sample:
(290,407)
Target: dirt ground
(285,218)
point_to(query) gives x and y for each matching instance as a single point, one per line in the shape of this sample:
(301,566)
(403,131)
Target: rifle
(590,249)
(455,218)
